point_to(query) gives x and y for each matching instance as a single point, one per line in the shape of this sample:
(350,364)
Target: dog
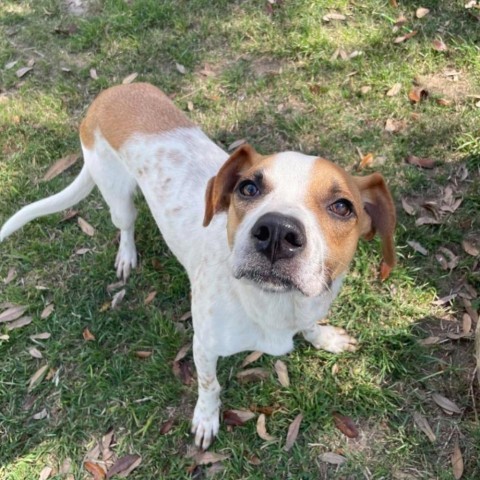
(279,231)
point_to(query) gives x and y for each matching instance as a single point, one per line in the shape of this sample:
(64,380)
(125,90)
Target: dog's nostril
(262,233)
(293,239)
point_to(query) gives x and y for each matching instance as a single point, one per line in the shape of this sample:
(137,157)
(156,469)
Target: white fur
(229,315)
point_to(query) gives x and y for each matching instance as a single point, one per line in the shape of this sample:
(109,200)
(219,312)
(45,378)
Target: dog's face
(294,220)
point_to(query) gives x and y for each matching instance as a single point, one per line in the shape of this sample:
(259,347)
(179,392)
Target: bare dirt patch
(450,84)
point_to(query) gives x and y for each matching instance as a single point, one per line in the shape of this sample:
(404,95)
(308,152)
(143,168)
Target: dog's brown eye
(248,189)
(343,208)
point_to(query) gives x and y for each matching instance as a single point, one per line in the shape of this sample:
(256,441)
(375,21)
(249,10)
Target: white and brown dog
(280,231)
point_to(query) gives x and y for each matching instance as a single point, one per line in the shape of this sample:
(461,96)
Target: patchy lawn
(283,75)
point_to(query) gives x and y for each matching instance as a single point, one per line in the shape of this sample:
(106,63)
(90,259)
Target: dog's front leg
(205,421)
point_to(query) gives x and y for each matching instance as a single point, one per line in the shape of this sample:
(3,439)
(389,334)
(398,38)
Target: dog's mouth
(269,280)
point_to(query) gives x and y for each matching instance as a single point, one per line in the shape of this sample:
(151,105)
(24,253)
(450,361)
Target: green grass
(276,84)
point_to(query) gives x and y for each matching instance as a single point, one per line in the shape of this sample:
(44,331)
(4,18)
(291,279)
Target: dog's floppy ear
(381,217)
(220,187)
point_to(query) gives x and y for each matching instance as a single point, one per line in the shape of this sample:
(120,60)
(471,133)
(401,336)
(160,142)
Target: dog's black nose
(278,236)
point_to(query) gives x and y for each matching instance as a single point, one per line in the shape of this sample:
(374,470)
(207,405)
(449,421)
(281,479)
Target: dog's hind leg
(117,187)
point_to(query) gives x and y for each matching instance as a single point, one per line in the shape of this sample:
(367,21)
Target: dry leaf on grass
(268,410)
(445,404)
(292,433)
(143,353)
(12,313)
(117,298)
(206,458)
(420,162)
(421,12)
(334,16)
(365,161)
(443,102)
(237,418)
(471,312)
(405,37)
(35,353)
(445,299)
(466,323)
(150,297)
(85,227)
(457,461)
(95,469)
(250,358)
(82,251)
(262,429)
(22,71)
(417,247)
(252,375)
(180,68)
(182,353)
(166,426)
(130,78)
(182,369)
(4,337)
(394,126)
(40,336)
(37,377)
(425,220)
(430,341)
(282,373)
(93,74)
(470,247)
(88,335)
(345,425)
(422,423)
(450,260)
(417,94)
(394,90)
(40,415)
(113,286)
(60,166)
(47,311)
(365,89)
(332,458)
(124,466)
(19,323)
(186,316)
(12,273)
(439,45)
(45,473)
(408,208)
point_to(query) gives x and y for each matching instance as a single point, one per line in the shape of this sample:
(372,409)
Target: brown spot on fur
(121,111)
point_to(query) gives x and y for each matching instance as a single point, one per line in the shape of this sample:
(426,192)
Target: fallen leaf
(425,220)
(12,273)
(292,433)
(66,467)
(82,251)
(366,161)
(181,68)
(457,461)
(45,473)
(237,418)
(237,143)
(469,246)
(182,353)
(394,126)
(22,71)
(124,466)
(420,162)
(262,429)
(86,227)
(452,261)
(421,12)
(69,215)
(430,341)
(345,425)
(117,298)
(282,373)
(143,353)
(334,16)
(12,313)
(443,102)
(250,358)
(444,300)
(87,335)
(190,106)
(41,336)
(254,460)
(4,337)
(332,458)
(399,22)
(93,74)
(60,166)
(408,208)
(445,404)
(10,65)
(422,423)
(40,415)
(115,285)
(439,45)
(166,426)
(35,353)
(394,90)
(19,323)
(405,37)
(252,375)
(365,89)
(442,261)
(185,316)
(417,94)
(37,377)
(417,247)
(95,469)
(212,471)
(205,458)
(471,312)
(265,410)
(130,78)
(47,311)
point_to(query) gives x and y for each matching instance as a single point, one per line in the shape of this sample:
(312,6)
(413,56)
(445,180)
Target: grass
(273,81)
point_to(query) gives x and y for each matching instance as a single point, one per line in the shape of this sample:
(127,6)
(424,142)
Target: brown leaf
(45,473)
(439,45)
(469,246)
(166,426)
(182,353)
(250,358)
(95,469)
(40,415)
(130,78)
(115,285)
(345,425)
(430,341)
(292,433)
(417,247)
(422,423)
(12,313)
(405,37)
(66,467)
(69,214)
(12,273)
(408,208)
(22,71)
(333,16)
(393,3)
(365,89)
(93,74)
(444,300)
(252,375)
(190,106)
(47,311)
(269,410)
(366,161)
(394,90)
(150,297)
(394,126)
(37,377)
(445,404)
(205,458)
(262,429)
(420,162)
(86,227)
(425,220)
(88,335)
(124,466)
(207,71)
(282,373)
(180,68)
(443,102)
(107,440)
(35,353)
(117,298)
(466,323)
(457,461)
(82,251)
(237,418)
(143,353)
(452,258)
(19,323)
(399,22)
(60,166)
(417,94)
(332,458)
(40,336)
(421,12)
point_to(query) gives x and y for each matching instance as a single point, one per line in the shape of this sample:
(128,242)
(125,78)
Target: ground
(282,75)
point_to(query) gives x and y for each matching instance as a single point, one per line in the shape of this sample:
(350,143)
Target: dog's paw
(332,339)
(126,260)
(205,427)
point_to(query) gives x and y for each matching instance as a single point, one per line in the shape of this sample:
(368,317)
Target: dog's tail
(68,197)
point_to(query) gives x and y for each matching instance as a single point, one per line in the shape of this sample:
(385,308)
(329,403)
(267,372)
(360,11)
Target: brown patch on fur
(121,111)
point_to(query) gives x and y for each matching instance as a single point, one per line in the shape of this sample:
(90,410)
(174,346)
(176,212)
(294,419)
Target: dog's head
(294,220)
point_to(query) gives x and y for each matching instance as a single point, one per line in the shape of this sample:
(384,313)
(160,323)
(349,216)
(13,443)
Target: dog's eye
(342,208)
(248,189)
